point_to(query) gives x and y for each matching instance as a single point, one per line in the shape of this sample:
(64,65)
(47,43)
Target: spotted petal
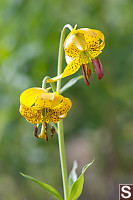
(32,114)
(93,38)
(60,111)
(48,100)
(72,67)
(69,45)
(94,41)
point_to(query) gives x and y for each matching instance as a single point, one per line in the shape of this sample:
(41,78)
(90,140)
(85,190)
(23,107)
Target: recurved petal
(60,111)
(63,116)
(46,100)
(72,67)
(63,107)
(94,41)
(68,58)
(54,79)
(94,53)
(28,97)
(79,40)
(57,100)
(70,46)
(32,114)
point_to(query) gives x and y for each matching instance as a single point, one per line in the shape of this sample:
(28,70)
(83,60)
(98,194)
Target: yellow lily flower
(81,47)
(39,106)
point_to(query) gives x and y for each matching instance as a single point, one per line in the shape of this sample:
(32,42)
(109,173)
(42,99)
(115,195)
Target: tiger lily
(39,106)
(81,47)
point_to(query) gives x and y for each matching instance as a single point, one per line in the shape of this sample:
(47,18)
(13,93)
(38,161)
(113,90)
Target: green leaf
(70,83)
(73,174)
(47,187)
(77,186)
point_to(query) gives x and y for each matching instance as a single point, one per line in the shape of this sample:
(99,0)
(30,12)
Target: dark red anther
(52,131)
(97,68)
(85,76)
(88,71)
(46,126)
(100,66)
(35,131)
(46,136)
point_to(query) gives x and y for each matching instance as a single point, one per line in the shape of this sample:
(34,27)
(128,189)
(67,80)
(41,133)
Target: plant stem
(62,158)
(44,83)
(60,55)
(60,123)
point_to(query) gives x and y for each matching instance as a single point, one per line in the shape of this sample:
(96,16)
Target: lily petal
(79,40)
(94,41)
(54,79)
(28,96)
(44,100)
(70,46)
(60,111)
(68,58)
(31,114)
(94,38)
(48,100)
(72,67)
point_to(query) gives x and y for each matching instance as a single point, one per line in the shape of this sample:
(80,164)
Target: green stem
(62,158)
(44,83)
(60,55)
(60,123)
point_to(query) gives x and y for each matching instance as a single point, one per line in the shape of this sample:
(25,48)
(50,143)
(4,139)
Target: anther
(45,124)
(46,136)
(100,66)
(88,71)
(52,131)
(85,76)
(35,131)
(97,68)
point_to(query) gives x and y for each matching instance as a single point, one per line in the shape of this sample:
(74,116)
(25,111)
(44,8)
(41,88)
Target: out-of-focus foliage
(100,122)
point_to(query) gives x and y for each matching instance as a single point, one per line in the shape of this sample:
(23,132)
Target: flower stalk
(60,55)
(45,81)
(60,123)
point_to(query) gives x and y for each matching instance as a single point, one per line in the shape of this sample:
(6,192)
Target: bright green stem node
(60,123)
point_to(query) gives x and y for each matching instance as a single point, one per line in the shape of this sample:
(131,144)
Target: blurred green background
(99,123)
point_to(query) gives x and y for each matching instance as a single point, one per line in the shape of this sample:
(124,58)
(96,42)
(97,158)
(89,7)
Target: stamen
(46,126)
(35,131)
(52,131)
(97,68)
(46,136)
(85,76)
(88,71)
(100,66)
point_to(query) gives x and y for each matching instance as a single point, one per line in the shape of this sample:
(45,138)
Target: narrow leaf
(47,187)
(73,174)
(77,186)
(70,83)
